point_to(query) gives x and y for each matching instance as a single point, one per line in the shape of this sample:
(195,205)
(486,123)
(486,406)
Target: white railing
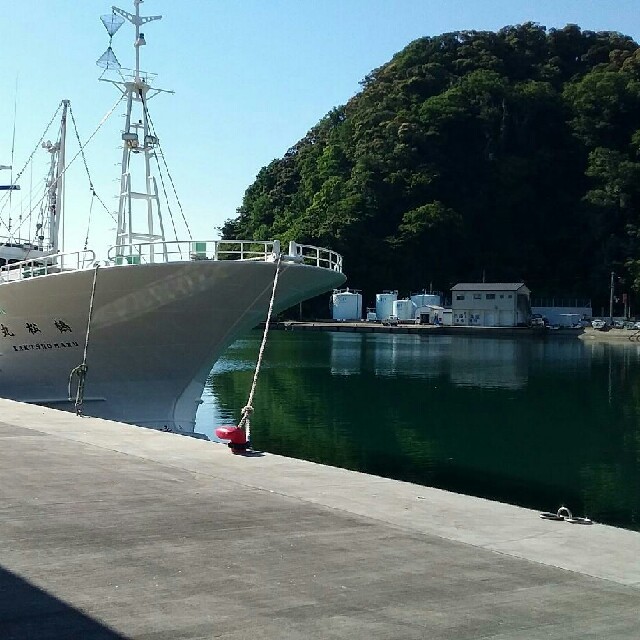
(179,250)
(43,265)
(18,242)
(174,251)
(254,250)
(317,256)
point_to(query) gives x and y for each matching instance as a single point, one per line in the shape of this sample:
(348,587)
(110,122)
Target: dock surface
(112,531)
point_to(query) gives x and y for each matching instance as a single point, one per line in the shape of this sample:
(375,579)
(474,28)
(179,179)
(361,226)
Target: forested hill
(513,154)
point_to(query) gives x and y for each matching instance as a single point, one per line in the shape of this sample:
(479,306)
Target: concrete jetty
(429,330)
(112,531)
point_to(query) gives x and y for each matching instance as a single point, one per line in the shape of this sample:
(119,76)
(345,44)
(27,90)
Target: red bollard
(237,438)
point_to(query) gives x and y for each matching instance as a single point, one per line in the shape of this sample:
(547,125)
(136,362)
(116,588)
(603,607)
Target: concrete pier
(111,531)
(429,330)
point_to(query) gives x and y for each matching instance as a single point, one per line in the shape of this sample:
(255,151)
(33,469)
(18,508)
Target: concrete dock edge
(133,533)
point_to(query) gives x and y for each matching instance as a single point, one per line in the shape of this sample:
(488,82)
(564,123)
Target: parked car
(391,321)
(538,320)
(600,325)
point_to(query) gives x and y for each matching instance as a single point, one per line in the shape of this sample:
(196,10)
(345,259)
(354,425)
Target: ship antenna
(137,20)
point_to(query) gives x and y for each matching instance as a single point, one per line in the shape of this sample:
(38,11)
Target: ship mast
(138,145)
(55,185)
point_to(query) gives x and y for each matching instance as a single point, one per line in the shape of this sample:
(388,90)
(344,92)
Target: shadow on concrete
(252,453)
(27,611)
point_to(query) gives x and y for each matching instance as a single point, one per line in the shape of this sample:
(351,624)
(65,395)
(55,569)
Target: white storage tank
(346,304)
(426,299)
(384,304)
(404,309)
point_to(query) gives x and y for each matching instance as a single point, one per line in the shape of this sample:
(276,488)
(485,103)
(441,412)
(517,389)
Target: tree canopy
(513,154)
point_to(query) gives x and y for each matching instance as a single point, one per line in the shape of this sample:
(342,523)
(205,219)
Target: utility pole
(611,298)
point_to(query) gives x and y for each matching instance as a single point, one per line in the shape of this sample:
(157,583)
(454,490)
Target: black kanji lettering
(5,332)
(32,327)
(62,326)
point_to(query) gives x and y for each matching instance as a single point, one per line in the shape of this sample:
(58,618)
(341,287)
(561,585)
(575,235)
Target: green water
(530,421)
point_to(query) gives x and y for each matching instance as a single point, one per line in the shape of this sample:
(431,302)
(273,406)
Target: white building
(490,304)
(434,314)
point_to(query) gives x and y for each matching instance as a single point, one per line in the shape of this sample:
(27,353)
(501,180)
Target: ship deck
(112,531)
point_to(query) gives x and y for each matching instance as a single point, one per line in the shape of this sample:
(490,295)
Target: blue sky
(250,76)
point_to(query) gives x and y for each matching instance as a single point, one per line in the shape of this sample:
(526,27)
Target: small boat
(132,335)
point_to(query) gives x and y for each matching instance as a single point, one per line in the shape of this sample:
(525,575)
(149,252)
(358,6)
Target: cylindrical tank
(404,309)
(384,304)
(346,305)
(426,299)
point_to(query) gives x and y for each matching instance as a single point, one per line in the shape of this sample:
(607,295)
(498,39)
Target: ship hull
(156,331)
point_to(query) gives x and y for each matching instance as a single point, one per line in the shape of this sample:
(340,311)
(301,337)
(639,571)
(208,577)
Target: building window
(460,297)
(491,296)
(477,296)
(509,296)
(501,296)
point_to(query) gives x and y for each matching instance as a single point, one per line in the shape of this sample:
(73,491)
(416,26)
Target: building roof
(487,286)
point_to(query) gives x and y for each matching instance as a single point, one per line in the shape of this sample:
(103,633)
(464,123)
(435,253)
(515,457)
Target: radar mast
(139,210)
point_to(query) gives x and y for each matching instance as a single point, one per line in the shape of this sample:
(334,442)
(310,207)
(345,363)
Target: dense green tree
(513,154)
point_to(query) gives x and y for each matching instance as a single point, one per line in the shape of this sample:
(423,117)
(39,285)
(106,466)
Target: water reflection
(494,363)
(346,354)
(490,363)
(528,421)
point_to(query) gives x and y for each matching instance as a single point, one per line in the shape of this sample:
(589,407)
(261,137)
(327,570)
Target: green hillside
(515,154)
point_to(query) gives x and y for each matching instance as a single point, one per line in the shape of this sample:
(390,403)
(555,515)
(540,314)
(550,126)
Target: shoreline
(613,335)
(583,333)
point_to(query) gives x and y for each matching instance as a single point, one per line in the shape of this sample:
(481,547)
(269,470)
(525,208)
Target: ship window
(477,296)
(491,296)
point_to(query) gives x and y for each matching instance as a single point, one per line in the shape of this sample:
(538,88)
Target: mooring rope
(245,421)
(81,369)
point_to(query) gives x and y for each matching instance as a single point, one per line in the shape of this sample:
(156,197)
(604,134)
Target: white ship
(133,335)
